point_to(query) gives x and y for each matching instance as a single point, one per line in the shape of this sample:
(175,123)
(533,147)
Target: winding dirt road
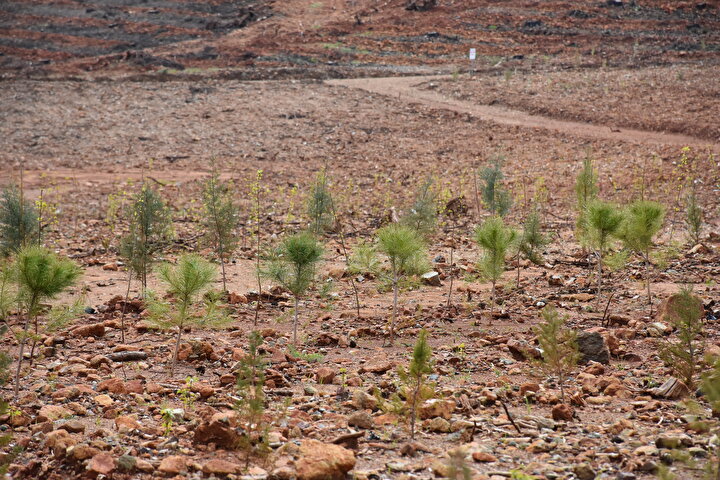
(405,88)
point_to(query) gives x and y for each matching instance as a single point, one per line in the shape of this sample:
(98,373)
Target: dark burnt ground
(43,32)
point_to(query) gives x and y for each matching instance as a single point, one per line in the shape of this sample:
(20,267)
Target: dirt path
(404,87)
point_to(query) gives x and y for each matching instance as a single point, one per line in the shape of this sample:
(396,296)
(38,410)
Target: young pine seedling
(602,224)
(5,439)
(642,221)
(559,346)
(497,199)
(422,214)
(694,218)
(710,386)
(251,405)
(405,251)
(41,276)
(415,377)
(19,223)
(586,191)
(293,265)
(150,227)
(531,242)
(187,283)
(221,220)
(320,205)
(684,355)
(494,238)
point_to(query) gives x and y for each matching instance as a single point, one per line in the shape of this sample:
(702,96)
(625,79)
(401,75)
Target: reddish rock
(529,387)
(325,375)
(484,457)
(173,465)
(59,441)
(101,464)
(217,466)
(562,412)
(112,385)
(92,330)
(323,461)
(218,430)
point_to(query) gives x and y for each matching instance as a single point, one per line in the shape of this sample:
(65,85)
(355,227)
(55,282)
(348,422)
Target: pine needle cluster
(405,250)
(415,377)
(293,265)
(559,346)
(320,205)
(495,239)
(251,403)
(497,200)
(187,283)
(19,222)
(221,220)
(150,227)
(694,217)
(683,356)
(422,214)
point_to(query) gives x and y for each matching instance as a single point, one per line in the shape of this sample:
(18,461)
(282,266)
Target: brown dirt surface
(99,96)
(678,98)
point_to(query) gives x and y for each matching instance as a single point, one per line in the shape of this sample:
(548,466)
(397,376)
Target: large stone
(592,347)
(126,423)
(363,400)
(220,467)
(562,412)
(436,407)
(59,441)
(173,465)
(323,461)
(52,413)
(432,279)
(325,375)
(674,306)
(93,330)
(361,419)
(218,430)
(101,464)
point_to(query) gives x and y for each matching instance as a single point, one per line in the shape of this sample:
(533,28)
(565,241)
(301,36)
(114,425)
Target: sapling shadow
(221,220)
(405,250)
(495,239)
(41,276)
(190,303)
(293,265)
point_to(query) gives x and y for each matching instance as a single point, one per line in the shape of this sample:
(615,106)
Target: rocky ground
(89,124)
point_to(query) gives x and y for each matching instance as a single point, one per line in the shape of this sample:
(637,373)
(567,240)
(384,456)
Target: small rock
(562,412)
(52,413)
(323,461)
(435,407)
(432,279)
(584,471)
(173,465)
(673,441)
(484,457)
(217,466)
(125,424)
(363,400)
(94,330)
(103,400)
(101,464)
(361,419)
(437,425)
(325,375)
(592,347)
(73,426)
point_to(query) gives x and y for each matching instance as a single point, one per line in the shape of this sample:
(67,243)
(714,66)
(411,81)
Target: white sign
(472,54)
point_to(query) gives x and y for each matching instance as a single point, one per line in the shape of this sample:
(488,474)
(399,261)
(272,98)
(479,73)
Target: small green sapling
(494,238)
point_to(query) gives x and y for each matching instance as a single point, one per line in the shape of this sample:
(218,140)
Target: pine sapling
(150,227)
(685,311)
(421,216)
(41,276)
(221,220)
(187,283)
(405,251)
(255,219)
(603,223)
(320,205)
(293,265)
(586,191)
(497,199)
(19,224)
(5,439)
(495,239)
(531,242)
(710,387)
(694,218)
(251,403)
(641,223)
(415,377)
(559,346)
